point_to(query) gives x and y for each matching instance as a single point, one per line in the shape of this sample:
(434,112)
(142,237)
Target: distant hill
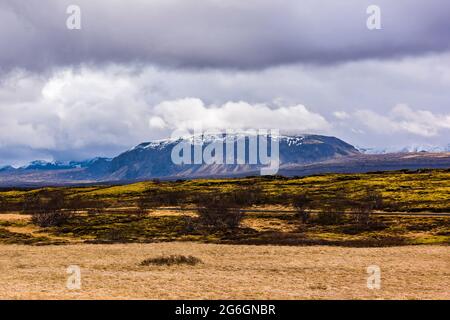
(405,149)
(299,155)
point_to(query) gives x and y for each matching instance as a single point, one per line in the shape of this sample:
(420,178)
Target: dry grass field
(227,272)
(256,238)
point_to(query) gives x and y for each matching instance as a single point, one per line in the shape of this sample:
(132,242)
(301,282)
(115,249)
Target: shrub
(115,235)
(32,203)
(144,204)
(218,212)
(332,211)
(373,199)
(189,224)
(51,219)
(247,196)
(171,260)
(329,216)
(152,198)
(363,209)
(361,214)
(48,208)
(301,204)
(3,205)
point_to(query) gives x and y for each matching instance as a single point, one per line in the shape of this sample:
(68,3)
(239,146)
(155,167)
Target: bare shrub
(373,199)
(361,214)
(144,204)
(51,219)
(219,212)
(247,196)
(301,204)
(363,209)
(171,260)
(92,206)
(48,208)
(152,198)
(32,203)
(190,224)
(332,211)
(329,216)
(3,205)
(115,235)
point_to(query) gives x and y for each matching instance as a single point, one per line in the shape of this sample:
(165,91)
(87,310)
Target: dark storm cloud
(211,33)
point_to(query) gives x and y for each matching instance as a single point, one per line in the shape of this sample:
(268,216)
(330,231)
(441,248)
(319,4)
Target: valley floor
(227,272)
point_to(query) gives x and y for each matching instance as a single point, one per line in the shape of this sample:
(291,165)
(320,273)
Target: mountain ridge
(299,155)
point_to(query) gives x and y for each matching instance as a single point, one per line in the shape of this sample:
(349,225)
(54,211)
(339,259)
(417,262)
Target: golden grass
(227,272)
(15,217)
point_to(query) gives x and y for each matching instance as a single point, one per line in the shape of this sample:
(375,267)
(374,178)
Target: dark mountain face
(153,159)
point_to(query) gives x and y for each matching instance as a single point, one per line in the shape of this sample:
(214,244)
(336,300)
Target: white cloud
(157,123)
(94,112)
(192,112)
(341,115)
(75,110)
(90,111)
(404,119)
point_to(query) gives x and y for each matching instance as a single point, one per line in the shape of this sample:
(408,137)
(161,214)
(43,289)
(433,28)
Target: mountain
(153,159)
(6,169)
(59,165)
(363,163)
(299,155)
(45,165)
(405,149)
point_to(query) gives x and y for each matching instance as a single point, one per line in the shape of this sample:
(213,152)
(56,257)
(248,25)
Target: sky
(139,70)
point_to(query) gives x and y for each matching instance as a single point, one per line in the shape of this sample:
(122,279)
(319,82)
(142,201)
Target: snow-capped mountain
(153,159)
(406,149)
(298,155)
(59,165)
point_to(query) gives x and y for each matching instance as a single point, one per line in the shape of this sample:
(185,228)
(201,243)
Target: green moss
(402,191)
(8,237)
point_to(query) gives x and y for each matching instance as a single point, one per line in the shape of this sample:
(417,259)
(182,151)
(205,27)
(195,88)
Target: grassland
(257,229)
(115,218)
(227,272)
(271,254)
(413,191)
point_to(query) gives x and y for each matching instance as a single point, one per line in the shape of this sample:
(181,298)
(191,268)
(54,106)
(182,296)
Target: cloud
(234,34)
(404,119)
(73,110)
(75,113)
(84,112)
(341,115)
(192,112)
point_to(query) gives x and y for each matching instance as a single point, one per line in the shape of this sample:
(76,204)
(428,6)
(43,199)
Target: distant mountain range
(299,155)
(411,148)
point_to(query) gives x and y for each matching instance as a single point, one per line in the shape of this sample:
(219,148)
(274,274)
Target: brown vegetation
(218,212)
(171,260)
(227,272)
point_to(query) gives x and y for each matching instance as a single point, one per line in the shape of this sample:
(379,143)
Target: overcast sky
(137,70)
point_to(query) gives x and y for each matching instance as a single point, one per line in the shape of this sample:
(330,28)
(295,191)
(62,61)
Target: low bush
(171,260)
(219,212)
(48,208)
(363,208)
(329,217)
(247,196)
(302,204)
(153,198)
(51,219)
